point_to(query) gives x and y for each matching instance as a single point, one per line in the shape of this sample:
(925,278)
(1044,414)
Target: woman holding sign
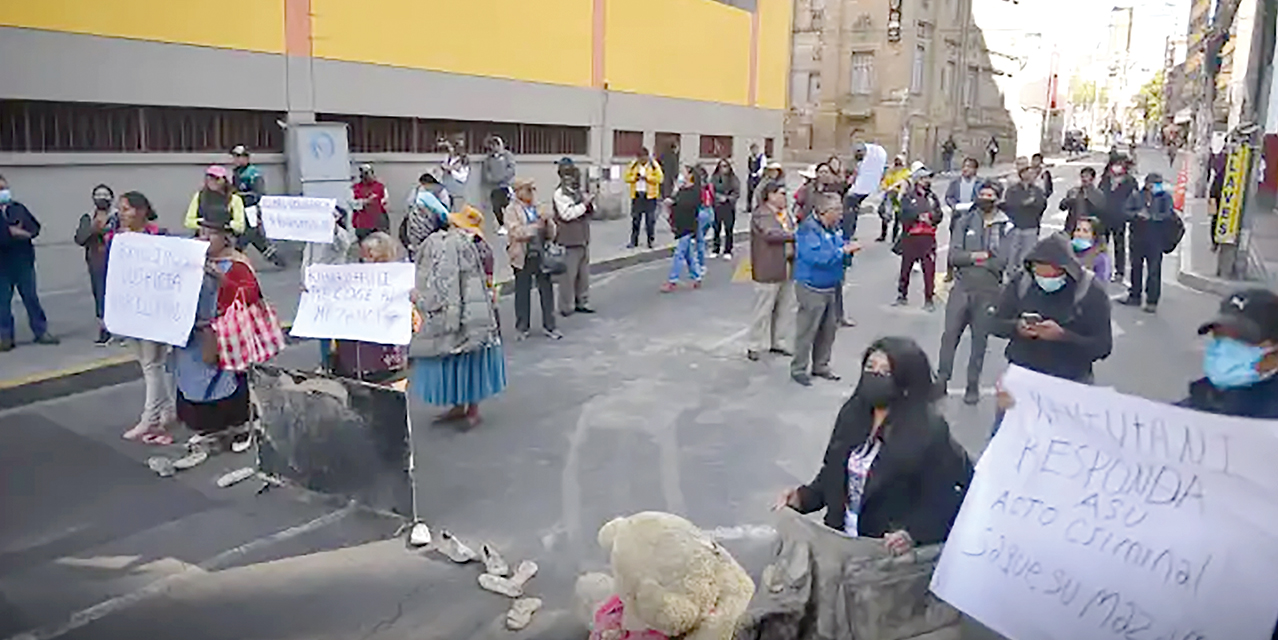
(891,470)
(456,356)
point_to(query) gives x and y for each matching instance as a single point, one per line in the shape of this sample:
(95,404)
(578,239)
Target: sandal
(456,413)
(191,459)
(157,437)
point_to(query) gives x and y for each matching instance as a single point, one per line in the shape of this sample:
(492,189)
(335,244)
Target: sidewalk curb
(1196,280)
(110,371)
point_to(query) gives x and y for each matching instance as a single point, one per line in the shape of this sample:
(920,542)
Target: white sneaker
(493,562)
(728,257)
(501,231)
(521,613)
(455,549)
(503,586)
(524,572)
(419,535)
(713,254)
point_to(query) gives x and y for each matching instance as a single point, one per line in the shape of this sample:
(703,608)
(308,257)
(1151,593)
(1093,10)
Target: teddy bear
(669,579)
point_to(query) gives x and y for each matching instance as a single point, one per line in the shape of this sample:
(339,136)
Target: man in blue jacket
(818,272)
(1152,216)
(17,269)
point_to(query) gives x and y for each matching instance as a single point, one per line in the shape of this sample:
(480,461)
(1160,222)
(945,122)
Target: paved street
(651,404)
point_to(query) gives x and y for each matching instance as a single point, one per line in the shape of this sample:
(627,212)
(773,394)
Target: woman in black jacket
(727,190)
(891,470)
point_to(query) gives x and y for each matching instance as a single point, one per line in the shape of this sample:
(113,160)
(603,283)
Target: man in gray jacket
(978,258)
(498,172)
(573,210)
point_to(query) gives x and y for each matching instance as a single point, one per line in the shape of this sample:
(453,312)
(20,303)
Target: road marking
(107,607)
(65,372)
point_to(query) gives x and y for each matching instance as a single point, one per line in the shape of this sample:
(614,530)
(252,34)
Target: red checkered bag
(247,334)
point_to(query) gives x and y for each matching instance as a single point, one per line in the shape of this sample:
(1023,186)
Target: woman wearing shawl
(456,358)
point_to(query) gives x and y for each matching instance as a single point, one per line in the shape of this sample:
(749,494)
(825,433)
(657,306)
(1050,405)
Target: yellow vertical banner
(1231,196)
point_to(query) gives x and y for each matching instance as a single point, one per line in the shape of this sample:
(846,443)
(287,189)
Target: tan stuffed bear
(671,578)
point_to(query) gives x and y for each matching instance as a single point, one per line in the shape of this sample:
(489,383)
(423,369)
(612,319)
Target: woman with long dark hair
(727,191)
(891,470)
(92,234)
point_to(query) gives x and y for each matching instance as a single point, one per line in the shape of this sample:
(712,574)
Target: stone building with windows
(907,74)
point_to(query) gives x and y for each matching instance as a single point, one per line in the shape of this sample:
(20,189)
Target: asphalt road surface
(650,404)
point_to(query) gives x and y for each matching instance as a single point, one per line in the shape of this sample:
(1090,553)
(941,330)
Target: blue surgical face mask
(1157,187)
(1050,285)
(1231,363)
(1081,244)
(6,196)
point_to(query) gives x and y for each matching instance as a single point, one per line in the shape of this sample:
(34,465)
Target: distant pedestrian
(755,165)
(159,409)
(705,213)
(895,182)
(921,216)
(645,178)
(530,230)
(1044,178)
(947,153)
(959,197)
(426,183)
(18,227)
(343,249)
(370,204)
(668,159)
(1025,203)
(727,192)
(454,172)
(991,148)
(456,357)
(1088,242)
(1152,217)
(1117,185)
(819,252)
(978,258)
(371,362)
(771,254)
(92,233)
(573,212)
(497,176)
(684,223)
(216,203)
(1082,201)
(866,179)
(250,184)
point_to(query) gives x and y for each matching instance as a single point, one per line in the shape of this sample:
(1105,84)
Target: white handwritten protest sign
(153,286)
(1095,515)
(296,218)
(367,302)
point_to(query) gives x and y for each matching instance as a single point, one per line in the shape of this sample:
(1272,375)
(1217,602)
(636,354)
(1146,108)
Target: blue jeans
(705,220)
(18,272)
(683,256)
(97,284)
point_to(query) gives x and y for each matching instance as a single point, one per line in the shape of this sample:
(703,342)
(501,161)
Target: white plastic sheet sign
(153,286)
(1096,515)
(366,302)
(297,218)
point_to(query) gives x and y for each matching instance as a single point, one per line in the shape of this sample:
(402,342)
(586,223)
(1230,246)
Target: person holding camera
(1054,314)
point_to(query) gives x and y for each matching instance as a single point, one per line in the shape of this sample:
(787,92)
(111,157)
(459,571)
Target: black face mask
(984,204)
(877,389)
(102,203)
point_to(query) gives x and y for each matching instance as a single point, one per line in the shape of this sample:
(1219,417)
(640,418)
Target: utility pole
(1205,118)
(1232,261)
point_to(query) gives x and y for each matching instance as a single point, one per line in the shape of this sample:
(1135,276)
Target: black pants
(255,237)
(725,220)
(851,213)
(523,295)
(1146,252)
(1117,235)
(499,198)
(643,209)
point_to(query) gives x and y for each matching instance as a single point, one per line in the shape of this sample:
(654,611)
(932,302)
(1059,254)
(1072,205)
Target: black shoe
(584,309)
(901,302)
(972,396)
(565,313)
(649,244)
(881,239)
(104,338)
(1131,301)
(45,338)
(752,356)
(552,334)
(802,378)
(780,352)
(6,345)
(632,245)
(827,375)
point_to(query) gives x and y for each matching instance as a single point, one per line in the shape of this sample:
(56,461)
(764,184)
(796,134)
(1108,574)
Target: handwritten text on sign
(153,286)
(367,302)
(1097,515)
(296,218)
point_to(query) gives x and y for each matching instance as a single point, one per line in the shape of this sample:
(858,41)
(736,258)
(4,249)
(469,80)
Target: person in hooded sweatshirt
(1151,214)
(1054,314)
(1118,186)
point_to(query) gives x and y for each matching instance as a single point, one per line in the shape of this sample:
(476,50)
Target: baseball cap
(239,150)
(1251,314)
(217,171)
(918,169)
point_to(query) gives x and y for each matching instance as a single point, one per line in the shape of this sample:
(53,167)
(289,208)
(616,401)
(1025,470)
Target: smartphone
(1031,318)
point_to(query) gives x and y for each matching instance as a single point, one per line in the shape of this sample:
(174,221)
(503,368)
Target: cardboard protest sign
(367,302)
(153,286)
(297,218)
(1098,515)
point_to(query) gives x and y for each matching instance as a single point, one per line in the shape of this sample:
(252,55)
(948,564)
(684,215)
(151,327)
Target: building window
(716,146)
(35,126)
(377,134)
(916,72)
(767,147)
(814,88)
(666,140)
(862,73)
(970,87)
(626,144)
(947,79)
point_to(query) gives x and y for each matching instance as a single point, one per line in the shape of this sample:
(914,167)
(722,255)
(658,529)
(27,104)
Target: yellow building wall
(252,25)
(539,41)
(694,49)
(775,17)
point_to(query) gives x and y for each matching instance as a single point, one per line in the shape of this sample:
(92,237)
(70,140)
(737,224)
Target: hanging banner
(1096,515)
(153,286)
(297,218)
(1231,196)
